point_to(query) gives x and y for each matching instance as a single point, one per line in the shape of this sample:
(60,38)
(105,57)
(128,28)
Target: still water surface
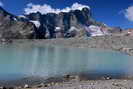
(18,62)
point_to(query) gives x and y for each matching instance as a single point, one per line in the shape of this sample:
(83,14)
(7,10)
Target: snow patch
(57,28)
(95,30)
(15,19)
(22,16)
(37,23)
(73,29)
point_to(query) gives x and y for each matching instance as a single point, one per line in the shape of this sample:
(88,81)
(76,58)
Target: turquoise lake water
(49,61)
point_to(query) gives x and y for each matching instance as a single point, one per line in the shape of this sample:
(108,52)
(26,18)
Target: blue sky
(110,12)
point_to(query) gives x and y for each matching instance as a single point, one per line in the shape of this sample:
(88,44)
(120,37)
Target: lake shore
(115,42)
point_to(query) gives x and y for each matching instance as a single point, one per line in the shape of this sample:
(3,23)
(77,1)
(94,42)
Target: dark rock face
(11,28)
(63,21)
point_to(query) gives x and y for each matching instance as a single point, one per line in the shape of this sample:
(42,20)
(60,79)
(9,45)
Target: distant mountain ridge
(51,25)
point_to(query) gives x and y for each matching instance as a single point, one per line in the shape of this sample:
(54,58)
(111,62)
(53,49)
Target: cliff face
(64,24)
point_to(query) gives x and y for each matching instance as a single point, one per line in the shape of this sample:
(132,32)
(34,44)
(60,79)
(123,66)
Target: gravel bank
(117,43)
(99,84)
(75,82)
(90,84)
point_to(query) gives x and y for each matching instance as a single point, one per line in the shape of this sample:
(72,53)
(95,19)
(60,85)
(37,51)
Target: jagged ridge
(64,24)
(50,25)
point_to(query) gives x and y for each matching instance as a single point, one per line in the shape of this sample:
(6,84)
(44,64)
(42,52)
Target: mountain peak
(44,9)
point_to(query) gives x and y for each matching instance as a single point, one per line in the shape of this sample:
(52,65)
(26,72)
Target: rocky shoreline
(74,82)
(92,84)
(113,42)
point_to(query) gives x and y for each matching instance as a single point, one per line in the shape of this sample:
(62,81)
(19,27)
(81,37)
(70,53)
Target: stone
(11,88)
(4,88)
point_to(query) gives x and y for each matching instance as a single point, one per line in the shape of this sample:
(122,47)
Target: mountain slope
(11,28)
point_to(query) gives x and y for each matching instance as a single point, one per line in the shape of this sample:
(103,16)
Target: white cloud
(1,4)
(129,13)
(32,8)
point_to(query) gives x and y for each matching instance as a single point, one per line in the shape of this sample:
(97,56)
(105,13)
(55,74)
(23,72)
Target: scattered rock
(117,84)
(67,76)
(45,85)
(11,88)
(4,88)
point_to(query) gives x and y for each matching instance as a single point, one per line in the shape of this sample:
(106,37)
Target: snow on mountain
(37,23)
(57,28)
(22,16)
(95,30)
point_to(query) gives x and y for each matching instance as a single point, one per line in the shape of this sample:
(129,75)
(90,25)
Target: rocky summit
(75,23)
(63,24)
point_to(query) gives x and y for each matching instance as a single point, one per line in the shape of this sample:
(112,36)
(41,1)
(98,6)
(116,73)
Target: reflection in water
(48,61)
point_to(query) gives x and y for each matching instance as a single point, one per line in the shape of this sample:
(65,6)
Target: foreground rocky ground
(89,84)
(99,84)
(76,82)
